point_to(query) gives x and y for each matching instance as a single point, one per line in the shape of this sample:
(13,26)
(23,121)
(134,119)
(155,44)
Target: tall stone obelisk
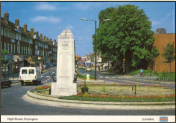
(64,85)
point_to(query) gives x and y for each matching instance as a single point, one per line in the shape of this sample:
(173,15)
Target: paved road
(13,104)
(119,79)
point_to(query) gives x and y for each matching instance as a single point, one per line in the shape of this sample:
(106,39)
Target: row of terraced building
(26,48)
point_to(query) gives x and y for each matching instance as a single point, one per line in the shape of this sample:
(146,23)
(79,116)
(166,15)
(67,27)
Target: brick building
(26,48)
(161,40)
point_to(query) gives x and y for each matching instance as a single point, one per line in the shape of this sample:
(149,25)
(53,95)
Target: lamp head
(84,19)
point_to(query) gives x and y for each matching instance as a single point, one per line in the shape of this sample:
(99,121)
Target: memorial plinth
(64,85)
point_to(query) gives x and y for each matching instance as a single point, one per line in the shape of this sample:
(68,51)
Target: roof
(78,56)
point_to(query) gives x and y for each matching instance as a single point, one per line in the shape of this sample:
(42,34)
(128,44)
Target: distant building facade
(26,48)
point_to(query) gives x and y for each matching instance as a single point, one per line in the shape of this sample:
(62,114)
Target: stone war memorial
(64,85)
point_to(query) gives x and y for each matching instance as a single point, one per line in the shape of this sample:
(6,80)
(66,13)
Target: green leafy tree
(169,54)
(3,52)
(126,35)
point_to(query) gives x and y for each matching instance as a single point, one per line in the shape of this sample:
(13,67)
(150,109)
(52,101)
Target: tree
(3,52)
(127,35)
(168,54)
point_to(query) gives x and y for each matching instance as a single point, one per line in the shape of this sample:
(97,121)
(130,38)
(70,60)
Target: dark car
(5,82)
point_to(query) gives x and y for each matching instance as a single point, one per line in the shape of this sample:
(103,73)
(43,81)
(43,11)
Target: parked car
(5,82)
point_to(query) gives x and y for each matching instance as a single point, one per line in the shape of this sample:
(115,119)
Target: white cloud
(70,27)
(45,6)
(162,21)
(156,22)
(45,19)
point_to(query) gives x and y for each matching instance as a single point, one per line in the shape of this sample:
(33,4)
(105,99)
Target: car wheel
(9,85)
(40,82)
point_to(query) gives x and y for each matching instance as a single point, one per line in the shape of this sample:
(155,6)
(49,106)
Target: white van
(29,75)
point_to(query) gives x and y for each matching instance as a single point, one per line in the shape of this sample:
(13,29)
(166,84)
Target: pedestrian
(141,71)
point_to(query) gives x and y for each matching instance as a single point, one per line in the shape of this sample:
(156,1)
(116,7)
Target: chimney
(54,41)
(40,35)
(47,38)
(44,38)
(16,22)
(50,39)
(25,27)
(6,17)
(32,31)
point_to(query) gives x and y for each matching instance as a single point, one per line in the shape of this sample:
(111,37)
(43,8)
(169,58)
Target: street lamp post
(95,52)
(95,41)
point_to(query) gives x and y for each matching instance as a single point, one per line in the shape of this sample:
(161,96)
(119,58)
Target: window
(31,71)
(36,46)
(14,48)
(19,37)
(11,49)
(2,32)
(6,32)
(26,50)
(8,47)
(31,51)
(10,34)
(24,71)
(18,47)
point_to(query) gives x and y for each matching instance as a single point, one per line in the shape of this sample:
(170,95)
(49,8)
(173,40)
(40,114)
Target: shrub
(121,96)
(113,83)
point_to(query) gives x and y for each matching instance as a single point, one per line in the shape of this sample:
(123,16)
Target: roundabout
(43,99)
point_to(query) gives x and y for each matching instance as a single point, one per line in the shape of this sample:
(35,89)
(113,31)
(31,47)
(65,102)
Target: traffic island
(49,100)
(90,99)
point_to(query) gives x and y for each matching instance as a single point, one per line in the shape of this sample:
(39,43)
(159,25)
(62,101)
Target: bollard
(87,77)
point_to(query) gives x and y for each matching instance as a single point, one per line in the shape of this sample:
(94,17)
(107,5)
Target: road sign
(123,59)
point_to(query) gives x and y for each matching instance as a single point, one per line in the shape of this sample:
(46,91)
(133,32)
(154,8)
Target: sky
(52,18)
